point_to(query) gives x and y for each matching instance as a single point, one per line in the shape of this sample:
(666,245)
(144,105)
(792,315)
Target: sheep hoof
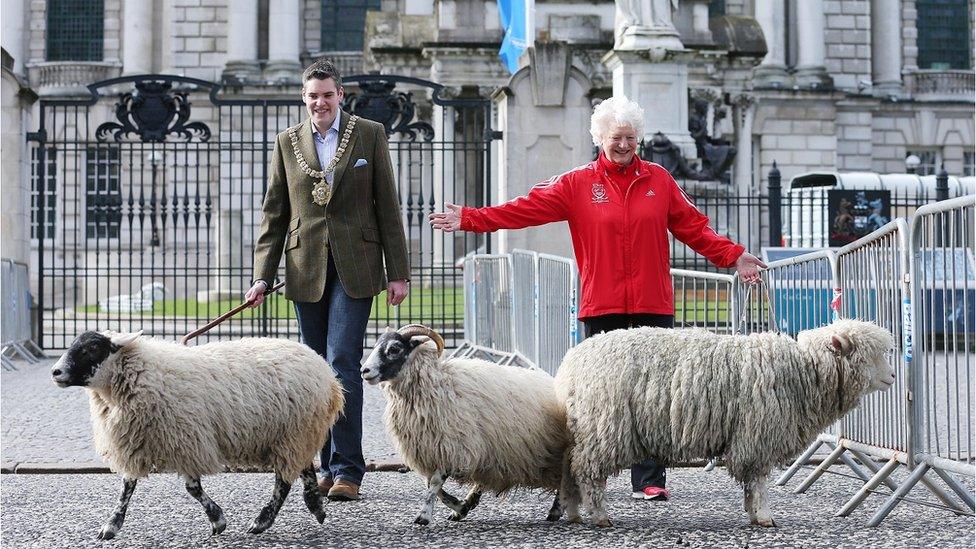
(602,523)
(107,532)
(554,516)
(455,516)
(320,516)
(219,526)
(258,527)
(574,519)
(765,522)
(421,520)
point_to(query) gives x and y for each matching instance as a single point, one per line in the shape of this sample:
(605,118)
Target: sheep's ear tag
(122,340)
(841,344)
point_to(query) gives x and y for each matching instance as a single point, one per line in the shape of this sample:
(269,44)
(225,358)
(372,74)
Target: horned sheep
(157,406)
(492,426)
(675,395)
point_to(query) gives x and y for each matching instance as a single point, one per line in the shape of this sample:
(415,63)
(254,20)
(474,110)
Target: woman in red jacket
(620,210)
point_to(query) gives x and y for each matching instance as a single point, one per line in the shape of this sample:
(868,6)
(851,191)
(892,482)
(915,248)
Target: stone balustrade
(69,78)
(941,84)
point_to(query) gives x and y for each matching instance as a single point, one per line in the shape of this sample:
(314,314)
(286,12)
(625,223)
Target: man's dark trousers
(647,473)
(334,327)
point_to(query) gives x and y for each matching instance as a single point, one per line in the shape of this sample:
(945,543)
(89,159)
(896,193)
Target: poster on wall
(853,214)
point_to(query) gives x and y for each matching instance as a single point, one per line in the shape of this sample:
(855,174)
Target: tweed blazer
(361,224)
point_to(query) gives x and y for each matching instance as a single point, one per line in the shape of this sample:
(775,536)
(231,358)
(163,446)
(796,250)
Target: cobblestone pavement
(66,511)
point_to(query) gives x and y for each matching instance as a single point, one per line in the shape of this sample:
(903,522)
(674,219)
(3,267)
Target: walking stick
(226,315)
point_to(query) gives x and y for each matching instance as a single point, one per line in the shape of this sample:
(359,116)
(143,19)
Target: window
(74,30)
(50,189)
(716,8)
(343,23)
(103,200)
(969,163)
(943,34)
(930,161)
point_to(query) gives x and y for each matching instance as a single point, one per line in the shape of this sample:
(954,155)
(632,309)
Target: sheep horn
(411,330)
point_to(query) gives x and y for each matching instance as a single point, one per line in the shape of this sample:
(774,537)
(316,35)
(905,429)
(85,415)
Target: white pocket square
(360,162)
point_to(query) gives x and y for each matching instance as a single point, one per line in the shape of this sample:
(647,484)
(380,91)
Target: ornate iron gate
(146,197)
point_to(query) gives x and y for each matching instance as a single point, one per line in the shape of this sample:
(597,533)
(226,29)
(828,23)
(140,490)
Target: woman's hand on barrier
(748,267)
(447,221)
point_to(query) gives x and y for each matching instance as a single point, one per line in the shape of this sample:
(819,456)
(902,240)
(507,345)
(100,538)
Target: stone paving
(44,424)
(66,511)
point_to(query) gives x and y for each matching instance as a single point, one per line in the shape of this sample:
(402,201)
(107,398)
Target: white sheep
(491,426)
(158,406)
(674,395)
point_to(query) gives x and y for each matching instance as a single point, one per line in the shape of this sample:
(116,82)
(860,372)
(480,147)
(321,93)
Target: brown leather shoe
(343,490)
(325,484)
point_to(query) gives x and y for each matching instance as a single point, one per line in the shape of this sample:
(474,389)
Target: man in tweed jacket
(332,208)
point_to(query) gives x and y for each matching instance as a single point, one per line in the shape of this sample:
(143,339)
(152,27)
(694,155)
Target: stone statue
(644,15)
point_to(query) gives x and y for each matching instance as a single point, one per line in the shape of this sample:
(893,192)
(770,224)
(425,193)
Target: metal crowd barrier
(540,315)
(488,302)
(940,339)
(703,300)
(888,277)
(15,321)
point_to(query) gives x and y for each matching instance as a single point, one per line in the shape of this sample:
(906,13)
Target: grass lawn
(423,304)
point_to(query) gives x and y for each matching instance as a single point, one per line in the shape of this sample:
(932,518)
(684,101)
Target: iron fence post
(942,185)
(40,136)
(775,207)
(942,193)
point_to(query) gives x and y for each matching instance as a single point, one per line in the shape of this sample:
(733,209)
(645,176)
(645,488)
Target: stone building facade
(853,85)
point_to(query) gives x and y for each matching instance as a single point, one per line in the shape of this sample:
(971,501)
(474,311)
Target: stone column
(742,116)
(13,33)
(137,37)
(659,83)
(242,43)
(886,46)
(812,47)
(283,42)
(771,73)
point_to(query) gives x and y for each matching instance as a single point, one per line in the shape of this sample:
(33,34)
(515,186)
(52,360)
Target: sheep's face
(81,364)
(866,346)
(391,352)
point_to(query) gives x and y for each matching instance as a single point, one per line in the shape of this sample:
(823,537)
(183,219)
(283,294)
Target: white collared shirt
(325,147)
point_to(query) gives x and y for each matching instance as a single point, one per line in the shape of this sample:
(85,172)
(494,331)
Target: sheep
(674,395)
(487,425)
(163,407)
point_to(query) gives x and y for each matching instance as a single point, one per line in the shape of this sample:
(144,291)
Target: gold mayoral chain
(322,191)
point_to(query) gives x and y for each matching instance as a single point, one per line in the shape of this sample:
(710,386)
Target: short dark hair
(320,70)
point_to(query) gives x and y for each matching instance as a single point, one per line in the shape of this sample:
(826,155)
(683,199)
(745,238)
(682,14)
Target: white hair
(613,112)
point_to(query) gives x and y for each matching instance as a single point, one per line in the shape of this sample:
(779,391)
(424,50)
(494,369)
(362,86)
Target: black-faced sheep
(491,426)
(158,406)
(676,395)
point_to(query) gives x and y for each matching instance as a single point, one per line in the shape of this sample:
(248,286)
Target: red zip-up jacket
(619,236)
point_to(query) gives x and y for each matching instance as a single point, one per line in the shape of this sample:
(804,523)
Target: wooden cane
(226,315)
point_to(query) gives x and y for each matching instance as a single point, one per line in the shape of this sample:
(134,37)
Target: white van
(805,199)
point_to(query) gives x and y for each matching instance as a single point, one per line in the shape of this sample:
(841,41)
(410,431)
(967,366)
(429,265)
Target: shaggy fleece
(500,427)
(254,402)
(676,395)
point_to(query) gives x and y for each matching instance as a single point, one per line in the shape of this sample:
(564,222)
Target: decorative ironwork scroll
(153,113)
(394,109)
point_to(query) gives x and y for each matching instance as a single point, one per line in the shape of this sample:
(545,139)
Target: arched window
(343,22)
(943,34)
(75,30)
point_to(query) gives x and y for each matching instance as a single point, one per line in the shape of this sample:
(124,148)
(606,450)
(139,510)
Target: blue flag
(513,15)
